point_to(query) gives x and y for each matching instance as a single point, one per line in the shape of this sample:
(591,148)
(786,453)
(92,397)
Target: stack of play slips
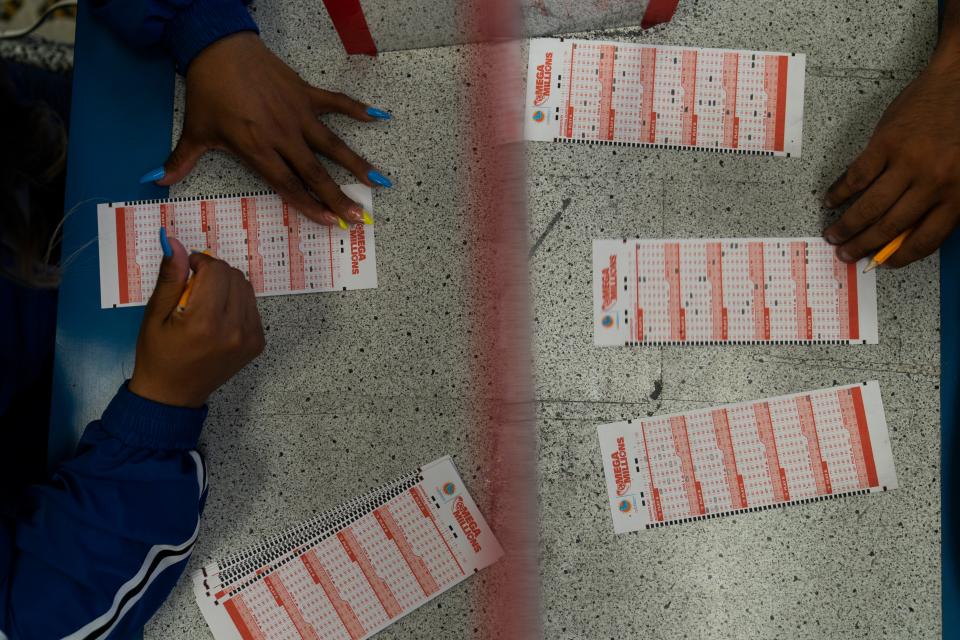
(352,571)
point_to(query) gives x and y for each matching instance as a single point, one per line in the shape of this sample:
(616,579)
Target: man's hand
(242,98)
(183,356)
(909,174)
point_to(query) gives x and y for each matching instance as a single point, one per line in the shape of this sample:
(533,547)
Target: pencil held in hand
(185,297)
(884,254)
(213,340)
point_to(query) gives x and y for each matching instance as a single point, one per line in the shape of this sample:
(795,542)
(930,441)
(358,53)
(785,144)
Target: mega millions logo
(358,248)
(607,321)
(467,523)
(624,506)
(544,76)
(449,488)
(621,467)
(539,116)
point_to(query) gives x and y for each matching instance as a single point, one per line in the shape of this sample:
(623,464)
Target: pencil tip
(870,267)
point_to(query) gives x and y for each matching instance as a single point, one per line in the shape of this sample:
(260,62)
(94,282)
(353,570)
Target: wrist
(164,394)
(946,57)
(202,24)
(948,43)
(236,46)
(144,423)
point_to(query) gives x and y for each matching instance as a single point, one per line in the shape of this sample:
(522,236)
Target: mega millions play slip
(355,570)
(620,93)
(747,457)
(730,291)
(278,249)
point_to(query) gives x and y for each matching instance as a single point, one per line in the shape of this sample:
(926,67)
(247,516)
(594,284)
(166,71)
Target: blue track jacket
(94,552)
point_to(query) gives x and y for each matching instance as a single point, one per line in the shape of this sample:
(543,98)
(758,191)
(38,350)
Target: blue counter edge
(949,365)
(949,444)
(120,126)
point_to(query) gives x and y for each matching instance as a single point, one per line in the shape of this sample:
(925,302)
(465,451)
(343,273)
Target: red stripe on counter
(351,25)
(659,11)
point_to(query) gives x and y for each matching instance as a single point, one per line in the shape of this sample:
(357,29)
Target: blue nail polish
(378,178)
(379,114)
(153,176)
(165,244)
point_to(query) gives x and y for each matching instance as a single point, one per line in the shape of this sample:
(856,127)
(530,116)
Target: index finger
(251,317)
(869,207)
(859,175)
(290,187)
(908,210)
(234,308)
(925,238)
(334,102)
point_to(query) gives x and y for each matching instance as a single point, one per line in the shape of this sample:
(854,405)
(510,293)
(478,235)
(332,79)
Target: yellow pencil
(884,254)
(185,296)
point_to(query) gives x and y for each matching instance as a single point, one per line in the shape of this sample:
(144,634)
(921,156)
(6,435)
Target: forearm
(183,27)
(107,538)
(948,45)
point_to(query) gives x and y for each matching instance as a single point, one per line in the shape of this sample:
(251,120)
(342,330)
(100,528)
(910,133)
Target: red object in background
(351,25)
(659,11)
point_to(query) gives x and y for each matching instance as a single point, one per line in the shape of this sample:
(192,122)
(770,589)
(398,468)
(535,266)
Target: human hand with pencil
(191,344)
(905,185)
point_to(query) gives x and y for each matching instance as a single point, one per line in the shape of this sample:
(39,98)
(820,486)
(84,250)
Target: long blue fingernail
(378,178)
(164,243)
(379,114)
(153,176)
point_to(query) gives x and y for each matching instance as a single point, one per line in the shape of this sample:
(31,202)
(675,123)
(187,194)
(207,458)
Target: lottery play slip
(747,457)
(278,249)
(730,291)
(620,93)
(353,571)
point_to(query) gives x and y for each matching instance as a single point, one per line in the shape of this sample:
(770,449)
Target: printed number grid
(278,250)
(672,96)
(769,452)
(355,581)
(234,566)
(730,291)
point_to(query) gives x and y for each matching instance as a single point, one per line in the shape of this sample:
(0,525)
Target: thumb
(181,160)
(174,269)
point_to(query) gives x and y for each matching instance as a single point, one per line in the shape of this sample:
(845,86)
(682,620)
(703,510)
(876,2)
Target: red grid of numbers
(676,96)
(740,291)
(769,452)
(384,564)
(279,250)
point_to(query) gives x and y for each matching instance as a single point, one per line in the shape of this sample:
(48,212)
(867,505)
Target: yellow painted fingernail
(343,224)
(367,218)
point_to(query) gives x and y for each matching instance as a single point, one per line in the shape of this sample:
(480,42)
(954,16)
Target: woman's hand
(183,356)
(243,98)
(909,174)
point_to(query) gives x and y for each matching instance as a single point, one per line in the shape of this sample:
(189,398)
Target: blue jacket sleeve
(94,553)
(184,27)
